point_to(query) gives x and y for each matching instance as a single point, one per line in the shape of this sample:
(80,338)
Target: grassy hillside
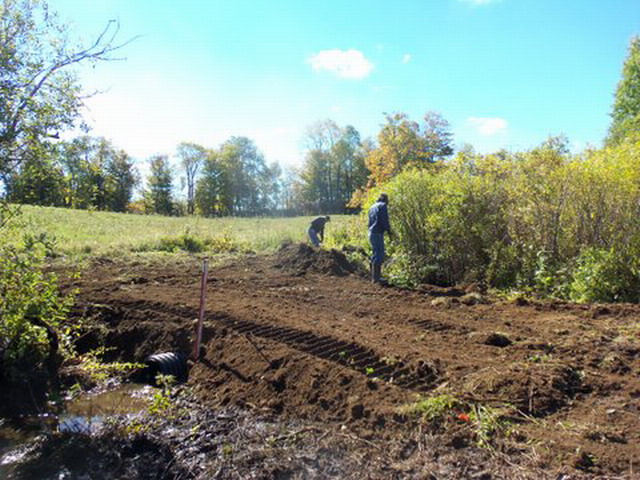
(80,231)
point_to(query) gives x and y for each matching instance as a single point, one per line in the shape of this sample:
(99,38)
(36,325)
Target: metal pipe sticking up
(203,295)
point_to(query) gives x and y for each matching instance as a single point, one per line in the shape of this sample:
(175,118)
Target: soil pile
(299,259)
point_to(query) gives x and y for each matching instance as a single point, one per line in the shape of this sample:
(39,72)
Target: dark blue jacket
(379,218)
(318,224)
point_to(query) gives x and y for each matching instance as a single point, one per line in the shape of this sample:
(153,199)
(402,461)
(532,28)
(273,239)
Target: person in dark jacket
(316,230)
(378,225)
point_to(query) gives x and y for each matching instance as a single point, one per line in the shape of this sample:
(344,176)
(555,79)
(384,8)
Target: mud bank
(189,441)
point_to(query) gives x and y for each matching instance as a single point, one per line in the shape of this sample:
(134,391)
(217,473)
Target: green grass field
(106,233)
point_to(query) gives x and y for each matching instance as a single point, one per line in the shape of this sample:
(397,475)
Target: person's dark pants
(313,236)
(377,245)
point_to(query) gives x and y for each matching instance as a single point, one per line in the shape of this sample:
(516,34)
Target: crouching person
(316,230)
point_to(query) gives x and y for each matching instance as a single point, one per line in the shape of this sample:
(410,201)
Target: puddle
(83,414)
(88,412)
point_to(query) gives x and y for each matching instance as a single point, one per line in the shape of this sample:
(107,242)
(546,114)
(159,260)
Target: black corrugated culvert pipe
(170,363)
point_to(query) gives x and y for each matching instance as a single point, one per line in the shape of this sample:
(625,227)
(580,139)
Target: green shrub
(506,266)
(225,243)
(542,221)
(30,299)
(100,371)
(605,276)
(185,242)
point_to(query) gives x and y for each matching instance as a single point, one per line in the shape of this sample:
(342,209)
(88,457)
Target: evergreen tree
(210,192)
(159,197)
(122,178)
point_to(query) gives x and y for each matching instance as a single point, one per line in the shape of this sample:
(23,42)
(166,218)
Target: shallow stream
(84,413)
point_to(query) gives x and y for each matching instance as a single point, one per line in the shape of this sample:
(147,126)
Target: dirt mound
(299,259)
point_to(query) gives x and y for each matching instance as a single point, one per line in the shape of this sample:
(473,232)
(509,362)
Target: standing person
(316,230)
(378,224)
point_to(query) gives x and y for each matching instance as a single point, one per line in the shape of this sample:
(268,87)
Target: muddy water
(88,412)
(83,414)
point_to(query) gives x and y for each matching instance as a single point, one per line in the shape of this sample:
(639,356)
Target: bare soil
(302,335)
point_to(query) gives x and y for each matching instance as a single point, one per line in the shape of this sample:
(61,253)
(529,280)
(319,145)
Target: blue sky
(504,73)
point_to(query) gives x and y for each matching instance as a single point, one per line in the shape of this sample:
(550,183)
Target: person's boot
(376,275)
(380,280)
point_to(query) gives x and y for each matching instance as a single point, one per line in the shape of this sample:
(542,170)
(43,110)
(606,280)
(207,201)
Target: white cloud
(343,63)
(406,58)
(487,126)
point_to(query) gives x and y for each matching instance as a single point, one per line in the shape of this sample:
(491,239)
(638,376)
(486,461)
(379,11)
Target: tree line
(233,179)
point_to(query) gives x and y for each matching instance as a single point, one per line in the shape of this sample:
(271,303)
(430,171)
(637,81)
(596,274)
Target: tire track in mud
(430,325)
(419,377)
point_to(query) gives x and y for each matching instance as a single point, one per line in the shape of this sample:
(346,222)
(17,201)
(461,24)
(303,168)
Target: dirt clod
(357,411)
(497,340)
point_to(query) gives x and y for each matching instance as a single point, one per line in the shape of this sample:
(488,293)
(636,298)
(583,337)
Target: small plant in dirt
(485,423)
(344,356)
(585,461)
(433,409)
(135,426)
(161,402)
(227,449)
(540,358)
(369,371)
(488,424)
(390,360)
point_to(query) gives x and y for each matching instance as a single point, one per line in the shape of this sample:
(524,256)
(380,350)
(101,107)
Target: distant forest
(232,179)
